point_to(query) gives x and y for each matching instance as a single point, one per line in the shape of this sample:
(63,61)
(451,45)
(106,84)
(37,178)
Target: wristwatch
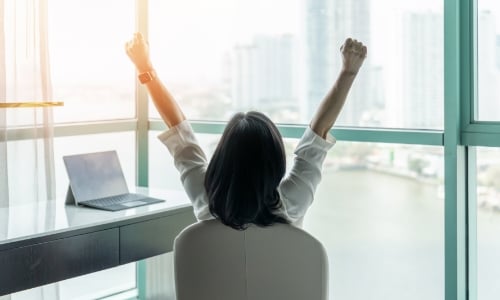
(147,76)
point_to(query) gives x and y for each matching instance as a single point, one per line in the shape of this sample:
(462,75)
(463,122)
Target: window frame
(462,132)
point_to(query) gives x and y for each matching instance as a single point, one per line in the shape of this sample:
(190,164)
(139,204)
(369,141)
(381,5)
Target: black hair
(244,173)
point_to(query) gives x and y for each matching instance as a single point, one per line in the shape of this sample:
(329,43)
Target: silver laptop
(96,180)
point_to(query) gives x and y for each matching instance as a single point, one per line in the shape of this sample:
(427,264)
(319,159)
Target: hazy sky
(88,35)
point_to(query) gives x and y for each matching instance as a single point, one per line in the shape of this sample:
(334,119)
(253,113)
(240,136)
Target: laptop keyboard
(113,200)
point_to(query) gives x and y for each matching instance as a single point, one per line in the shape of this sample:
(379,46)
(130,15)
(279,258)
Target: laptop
(96,180)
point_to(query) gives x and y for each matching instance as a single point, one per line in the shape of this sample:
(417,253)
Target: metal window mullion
(472,222)
(142,136)
(73,129)
(478,133)
(455,14)
(142,109)
(483,126)
(481,139)
(415,137)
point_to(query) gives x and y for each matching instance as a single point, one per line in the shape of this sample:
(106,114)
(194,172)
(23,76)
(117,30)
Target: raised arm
(138,51)
(353,55)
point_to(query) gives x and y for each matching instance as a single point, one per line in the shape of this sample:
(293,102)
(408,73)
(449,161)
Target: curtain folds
(4,179)
(26,134)
(27,163)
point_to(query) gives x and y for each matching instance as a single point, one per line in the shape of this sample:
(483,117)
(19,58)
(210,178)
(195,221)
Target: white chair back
(216,262)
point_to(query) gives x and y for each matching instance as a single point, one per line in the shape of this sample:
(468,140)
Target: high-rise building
(264,74)
(497,51)
(488,73)
(327,24)
(422,70)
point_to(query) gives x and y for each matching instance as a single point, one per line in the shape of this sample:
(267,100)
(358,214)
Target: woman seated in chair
(244,183)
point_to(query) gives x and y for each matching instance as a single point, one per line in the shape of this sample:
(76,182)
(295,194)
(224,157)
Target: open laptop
(96,180)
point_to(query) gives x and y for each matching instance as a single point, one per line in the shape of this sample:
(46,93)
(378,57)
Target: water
(384,235)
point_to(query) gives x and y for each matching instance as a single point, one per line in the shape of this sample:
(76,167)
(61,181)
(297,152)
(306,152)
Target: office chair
(216,262)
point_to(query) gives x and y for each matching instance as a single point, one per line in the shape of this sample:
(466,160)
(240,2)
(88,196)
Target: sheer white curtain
(26,156)
(26,134)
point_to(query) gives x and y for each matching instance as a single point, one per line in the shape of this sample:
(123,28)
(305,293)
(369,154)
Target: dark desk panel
(39,264)
(64,241)
(153,237)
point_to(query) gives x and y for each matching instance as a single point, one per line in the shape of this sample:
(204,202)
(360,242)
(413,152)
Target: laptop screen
(95,175)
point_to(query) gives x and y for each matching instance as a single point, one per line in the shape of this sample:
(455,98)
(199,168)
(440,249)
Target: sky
(188,35)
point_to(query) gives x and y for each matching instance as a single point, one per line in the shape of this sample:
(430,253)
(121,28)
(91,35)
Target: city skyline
(380,96)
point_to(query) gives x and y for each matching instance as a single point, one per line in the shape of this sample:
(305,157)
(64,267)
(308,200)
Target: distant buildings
(264,75)
(287,76)
(488,71)
(423,70)
(327,24)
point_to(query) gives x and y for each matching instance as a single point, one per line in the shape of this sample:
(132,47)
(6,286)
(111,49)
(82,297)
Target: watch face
(145,77)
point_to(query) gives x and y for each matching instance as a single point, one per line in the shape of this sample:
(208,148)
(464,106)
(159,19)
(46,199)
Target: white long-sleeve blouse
(296,189)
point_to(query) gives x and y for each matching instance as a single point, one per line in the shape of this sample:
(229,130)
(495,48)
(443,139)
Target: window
(228,56)
(488,222)
(488,55)
(162,172)
(103,283)
(379,213)
(90,70)
(221,57)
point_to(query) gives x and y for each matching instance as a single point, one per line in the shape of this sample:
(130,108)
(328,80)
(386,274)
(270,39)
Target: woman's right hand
(138,51)
(353,55)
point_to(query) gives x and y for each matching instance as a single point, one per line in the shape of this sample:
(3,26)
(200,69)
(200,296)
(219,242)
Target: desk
(64,241)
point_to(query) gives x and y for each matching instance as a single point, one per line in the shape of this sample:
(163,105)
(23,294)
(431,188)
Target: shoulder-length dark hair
(244,173)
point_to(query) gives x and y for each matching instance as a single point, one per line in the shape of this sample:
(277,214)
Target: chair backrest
(216,262)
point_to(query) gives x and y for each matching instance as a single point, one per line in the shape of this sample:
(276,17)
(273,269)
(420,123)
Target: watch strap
(146,77)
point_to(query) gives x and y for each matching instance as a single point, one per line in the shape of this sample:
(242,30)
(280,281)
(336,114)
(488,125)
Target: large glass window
(90,70)
(379,209)
(282,56)
(379,212)
(103,283)
(488,57)
(488,222)
(162,172)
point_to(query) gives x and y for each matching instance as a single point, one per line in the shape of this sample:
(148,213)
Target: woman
(244,182)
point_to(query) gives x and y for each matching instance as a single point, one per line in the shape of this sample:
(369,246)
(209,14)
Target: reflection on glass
(488,223)
(89,68)
(488,56)
(282,56)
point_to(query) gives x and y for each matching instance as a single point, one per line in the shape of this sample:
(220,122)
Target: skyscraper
(327,24)
(422,70)
(264,74)
(488,73)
